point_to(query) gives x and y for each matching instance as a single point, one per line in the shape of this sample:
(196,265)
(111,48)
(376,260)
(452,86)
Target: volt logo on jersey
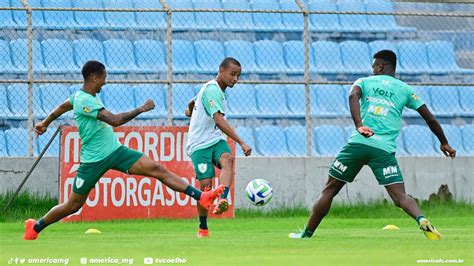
(383,92)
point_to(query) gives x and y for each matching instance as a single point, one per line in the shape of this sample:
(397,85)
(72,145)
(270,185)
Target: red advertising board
(122,196)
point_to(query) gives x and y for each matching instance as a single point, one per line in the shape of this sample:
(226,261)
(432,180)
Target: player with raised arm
(101,150)
(376,105)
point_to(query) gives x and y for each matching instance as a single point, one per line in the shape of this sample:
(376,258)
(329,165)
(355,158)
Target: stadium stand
(467,132)
(418,141)
(156,92)
(271,141)
(329,139)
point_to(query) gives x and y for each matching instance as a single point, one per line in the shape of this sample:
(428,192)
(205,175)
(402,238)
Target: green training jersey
(381,106)
(97,137)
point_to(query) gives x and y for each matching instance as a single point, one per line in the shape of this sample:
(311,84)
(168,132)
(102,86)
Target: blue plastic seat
(89,20)
(401,151)
(418,141)
(291,21)
(19,52)
(119,56)
(6,65)
(423,92)
(184,57)
(20,15)
(209,54)
(42,140)
(59,19)
(236,20)
(296,141)
(242,101)
(295,95)
(271,141)
(323,22)
(150,56)
(356,57)
(246,134)
(88,49)
(356,22)
(442,58)
(53,95)
(17,142)
(120,20)
(245,53)
(267,21)
(445,101)
(294,56)
(58,56)
(384,23)
(3,144)
(327,58)
(182,20)
(329,139)
(182,94)
(4,110)
(328,101)
(454,136)
(150,20)
(466,96)
(203,18)
(413,58)
(118,98)
(269,55)
(157,93)
(467,132)
(271,100)
(6,19)
(17,95)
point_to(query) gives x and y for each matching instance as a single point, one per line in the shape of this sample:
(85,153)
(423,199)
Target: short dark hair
(229,60)
(92,67)
(387,56)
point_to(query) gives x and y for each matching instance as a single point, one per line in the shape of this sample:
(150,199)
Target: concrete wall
(295,181)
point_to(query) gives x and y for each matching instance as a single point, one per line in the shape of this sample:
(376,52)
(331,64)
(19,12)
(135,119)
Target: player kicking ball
(376,105)
(101,150)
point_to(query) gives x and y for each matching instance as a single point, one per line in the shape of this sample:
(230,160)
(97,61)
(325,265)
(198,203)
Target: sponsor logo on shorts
(390,171)
(202,167)
(339,167)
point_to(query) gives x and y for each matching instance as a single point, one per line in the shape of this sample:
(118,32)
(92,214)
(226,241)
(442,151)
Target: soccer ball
(259,192)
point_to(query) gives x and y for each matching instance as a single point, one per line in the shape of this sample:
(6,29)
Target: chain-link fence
(298,61)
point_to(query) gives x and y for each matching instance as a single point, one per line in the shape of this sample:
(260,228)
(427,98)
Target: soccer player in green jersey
(376,105)
(101,150)
(207,145)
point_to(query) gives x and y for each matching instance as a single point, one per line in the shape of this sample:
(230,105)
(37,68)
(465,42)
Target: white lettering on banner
(163,138)
(148,144)
(144,201)
(130,191)
(118,202)
(151,141)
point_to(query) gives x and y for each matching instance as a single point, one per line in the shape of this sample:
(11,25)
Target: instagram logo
(148,260)
(83,260)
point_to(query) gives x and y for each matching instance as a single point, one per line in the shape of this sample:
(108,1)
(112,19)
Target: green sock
(307,233)
(418,218)
(193,192)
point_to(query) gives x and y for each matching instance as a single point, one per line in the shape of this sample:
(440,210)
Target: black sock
(193,192)
(307,233)
(203,222)
(226,192)
(40,225)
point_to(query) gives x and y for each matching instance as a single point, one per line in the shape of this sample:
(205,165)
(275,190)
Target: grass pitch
(351,235)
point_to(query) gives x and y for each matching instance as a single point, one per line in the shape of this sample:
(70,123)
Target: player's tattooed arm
(42,126)
(122,118)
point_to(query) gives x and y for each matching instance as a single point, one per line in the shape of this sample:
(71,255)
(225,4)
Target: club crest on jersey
(79,182)
(86,110)
(211,103)
(415,97)
(202,167)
